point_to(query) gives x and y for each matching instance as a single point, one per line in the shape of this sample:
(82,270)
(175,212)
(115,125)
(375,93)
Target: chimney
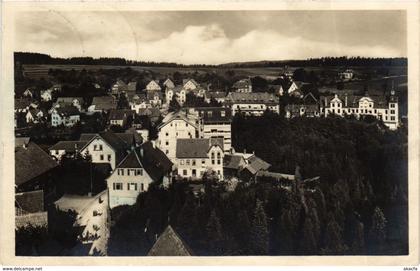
(345,100)
(141,152)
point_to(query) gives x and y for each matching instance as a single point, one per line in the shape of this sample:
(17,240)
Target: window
(140,171)
(109,157)
(101,157)
(218,155)
(212,155)
(188,162)
(392,118)
(392,105)
(167,151)
(193,162)
(194,172)
(167,134)
(56,151)
(128,172)
(203,161)
(218,161)
(186,124)
(167,143)
(100,147)
(392,111)
(184,172)
(222,113)
(212,161)
(117,186)
(94,147)
(141,187)
(132,186)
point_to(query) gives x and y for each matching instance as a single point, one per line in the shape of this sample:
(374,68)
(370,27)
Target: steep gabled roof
(68,146)
(170,243)
(30,162)
(232,161)
(104,102)
(30,202)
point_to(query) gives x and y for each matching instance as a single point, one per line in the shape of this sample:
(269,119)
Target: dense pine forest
(37,58)
(358,207)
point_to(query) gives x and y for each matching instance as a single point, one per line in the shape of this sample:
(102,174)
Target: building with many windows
(381,107)
(135,173)
(252,103)
(196,156)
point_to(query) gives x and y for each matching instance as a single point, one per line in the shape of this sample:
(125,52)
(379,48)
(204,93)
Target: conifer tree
(259,231)
(377,232)
(214,234)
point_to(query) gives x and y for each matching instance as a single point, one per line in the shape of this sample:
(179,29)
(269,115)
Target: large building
(216,123)
(243,86)
(196,156)
(379,106)
(177,125)
(252,103)
(133,175)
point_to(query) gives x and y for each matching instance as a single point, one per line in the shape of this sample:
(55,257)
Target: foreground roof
(170,243)
(28,155)
(196,147)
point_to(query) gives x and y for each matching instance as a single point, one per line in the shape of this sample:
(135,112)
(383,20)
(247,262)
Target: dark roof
(68,110)
(130,138)
(216,94)
(114,141)
(119,114)
(257,97)
(31,202)
(276,175)
(86,137)
(30,162)
(170,243)
(256,164)
(196,147)
(232,161)
(104,102)
(68,146)
(22,103)
(214,114)
(152,159)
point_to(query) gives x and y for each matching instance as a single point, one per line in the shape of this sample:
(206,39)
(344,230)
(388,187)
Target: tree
(259,231)
(214,234)
(259,84)
(174,105)
(334,241)
(122,102)
(377,232)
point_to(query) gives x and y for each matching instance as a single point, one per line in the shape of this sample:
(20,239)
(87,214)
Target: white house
(65,115)
(252,103)
(177,125)
(154,98)
(153,85)
(46,95)
(346,75)
(189,84)
(379,106)
(66,148)
(35,115)
(28,93)
(105,147)
(179,92)
(196,156)
(67,101)
(134,174)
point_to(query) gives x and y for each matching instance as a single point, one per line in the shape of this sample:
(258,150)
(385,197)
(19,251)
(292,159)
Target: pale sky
(213,37)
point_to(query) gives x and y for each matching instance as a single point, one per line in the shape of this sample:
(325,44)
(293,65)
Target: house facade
(153,85)
(46,95)
(177,125)
(378,106)
(196,156)
(135,173)
(252,103)
(190,84)
(66,115)
(35,115)
(178,92)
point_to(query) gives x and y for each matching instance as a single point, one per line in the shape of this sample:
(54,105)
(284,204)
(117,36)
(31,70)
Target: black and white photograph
(203,133)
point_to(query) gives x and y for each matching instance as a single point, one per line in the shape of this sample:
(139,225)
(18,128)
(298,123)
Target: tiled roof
(184,81)
(25,160)
(256,164)
(190,118)
(214,114)
(129,138)
(69,100)
(152,159)
(104,102)
(120,114)
(31,202)
(257,97)
(68,110)
(170,243)
(86,137)
(22,103)
(196,147)
(216,94)
(380,101)
(68,146)
(131,86)
(232,161)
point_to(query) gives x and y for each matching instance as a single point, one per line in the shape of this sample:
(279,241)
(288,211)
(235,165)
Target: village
(125,139)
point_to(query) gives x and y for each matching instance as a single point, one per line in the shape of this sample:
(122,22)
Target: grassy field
(38,71)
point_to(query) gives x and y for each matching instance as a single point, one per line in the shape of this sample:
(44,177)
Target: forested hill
(38,58)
